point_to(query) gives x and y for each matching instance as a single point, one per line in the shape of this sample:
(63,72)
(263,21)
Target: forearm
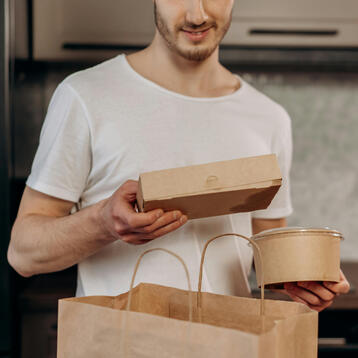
(41,244)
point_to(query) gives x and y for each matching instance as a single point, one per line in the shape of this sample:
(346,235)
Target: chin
(198,55)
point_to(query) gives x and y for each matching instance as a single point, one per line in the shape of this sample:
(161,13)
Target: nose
(196,14)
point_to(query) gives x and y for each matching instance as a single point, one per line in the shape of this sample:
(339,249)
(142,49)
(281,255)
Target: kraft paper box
(218,188)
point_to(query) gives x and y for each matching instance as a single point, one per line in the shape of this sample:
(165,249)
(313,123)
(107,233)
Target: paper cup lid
(297,230)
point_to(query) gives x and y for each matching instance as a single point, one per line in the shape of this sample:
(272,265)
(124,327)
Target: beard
(195,52)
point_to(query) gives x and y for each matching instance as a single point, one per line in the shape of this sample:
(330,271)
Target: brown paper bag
(168,322)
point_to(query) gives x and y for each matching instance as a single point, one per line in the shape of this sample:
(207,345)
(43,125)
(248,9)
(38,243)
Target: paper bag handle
(255,246)
(186,273)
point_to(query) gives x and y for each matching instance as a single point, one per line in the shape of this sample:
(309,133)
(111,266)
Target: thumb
(128,191)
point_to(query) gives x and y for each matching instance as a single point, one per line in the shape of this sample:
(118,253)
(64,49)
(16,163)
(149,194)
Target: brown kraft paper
(158,324)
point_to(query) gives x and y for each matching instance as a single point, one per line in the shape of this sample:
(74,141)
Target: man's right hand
(46,237)
(123,222)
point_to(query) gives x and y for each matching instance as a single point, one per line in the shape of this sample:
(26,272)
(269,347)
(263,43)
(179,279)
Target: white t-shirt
(108,124)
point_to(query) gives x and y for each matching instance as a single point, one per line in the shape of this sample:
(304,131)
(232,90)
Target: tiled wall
(324,112)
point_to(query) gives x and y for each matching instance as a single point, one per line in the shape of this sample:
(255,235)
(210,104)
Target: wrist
(101,222)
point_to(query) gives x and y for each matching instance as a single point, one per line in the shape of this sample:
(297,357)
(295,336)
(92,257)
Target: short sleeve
(281,205)
(63,159)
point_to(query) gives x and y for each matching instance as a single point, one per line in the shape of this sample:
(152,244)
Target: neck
(167,68)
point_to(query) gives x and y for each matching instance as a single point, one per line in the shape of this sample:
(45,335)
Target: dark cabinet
(5,328)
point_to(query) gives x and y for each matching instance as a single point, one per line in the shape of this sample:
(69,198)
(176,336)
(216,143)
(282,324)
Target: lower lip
(195,36)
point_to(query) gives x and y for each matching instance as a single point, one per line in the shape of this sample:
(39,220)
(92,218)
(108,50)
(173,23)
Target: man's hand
(316,295)
(46,238)
(123,222)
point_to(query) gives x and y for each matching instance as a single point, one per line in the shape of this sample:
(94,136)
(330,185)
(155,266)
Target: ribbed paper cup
(299,254)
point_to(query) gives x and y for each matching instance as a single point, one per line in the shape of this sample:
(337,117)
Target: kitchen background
(302,54)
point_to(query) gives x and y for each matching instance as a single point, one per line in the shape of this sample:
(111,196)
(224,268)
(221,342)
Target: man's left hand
(316,295)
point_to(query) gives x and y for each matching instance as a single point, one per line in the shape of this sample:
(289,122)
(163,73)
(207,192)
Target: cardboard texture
(218,188)
(155,324)
(291,255)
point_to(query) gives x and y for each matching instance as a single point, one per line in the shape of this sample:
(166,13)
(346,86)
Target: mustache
(189,26)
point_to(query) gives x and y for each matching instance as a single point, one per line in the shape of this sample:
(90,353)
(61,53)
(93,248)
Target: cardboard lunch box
(298,254)
(218,188)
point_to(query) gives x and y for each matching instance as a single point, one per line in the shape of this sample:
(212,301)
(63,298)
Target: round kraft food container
(298,254)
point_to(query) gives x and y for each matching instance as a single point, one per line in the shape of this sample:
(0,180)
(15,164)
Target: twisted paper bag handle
(186,274)
(260,268)
(199,297)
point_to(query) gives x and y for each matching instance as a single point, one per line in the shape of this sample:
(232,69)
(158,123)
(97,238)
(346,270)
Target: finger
(318,289)
(135,239)
(302,293)
(168,228)
(136,220)
(316,308)
(320,308)
(124,211)
(297,299)
(128,190)
(342,286)
(166,219)
(129,187)
(140,238)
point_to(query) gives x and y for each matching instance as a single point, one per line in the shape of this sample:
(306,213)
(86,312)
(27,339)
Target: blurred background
(303,54)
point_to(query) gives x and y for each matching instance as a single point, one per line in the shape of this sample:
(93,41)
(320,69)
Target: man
(172,104)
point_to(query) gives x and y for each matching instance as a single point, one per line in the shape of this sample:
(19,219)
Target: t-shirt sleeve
(281,205)
(63,158)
